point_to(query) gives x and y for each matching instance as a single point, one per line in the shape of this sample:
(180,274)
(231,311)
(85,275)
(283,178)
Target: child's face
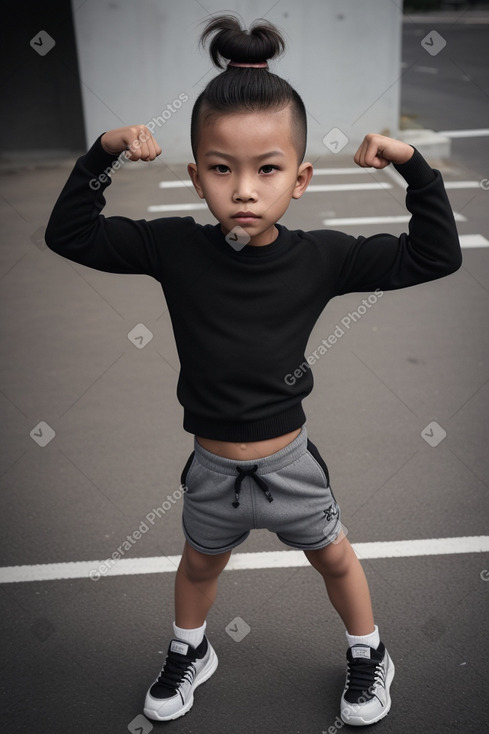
(247,162)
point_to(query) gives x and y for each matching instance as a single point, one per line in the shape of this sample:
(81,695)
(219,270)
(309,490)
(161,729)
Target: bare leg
(196,586)
(346,585)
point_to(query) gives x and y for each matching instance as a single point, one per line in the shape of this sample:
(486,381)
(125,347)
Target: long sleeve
(242,318)
(78,231)
(429,250)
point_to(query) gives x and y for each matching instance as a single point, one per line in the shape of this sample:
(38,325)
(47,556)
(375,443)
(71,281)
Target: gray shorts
(287,492)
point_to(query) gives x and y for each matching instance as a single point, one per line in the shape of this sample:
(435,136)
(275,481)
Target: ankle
(372,639)
(192,636)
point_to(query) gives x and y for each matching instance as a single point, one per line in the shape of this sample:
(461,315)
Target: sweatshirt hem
(260,430)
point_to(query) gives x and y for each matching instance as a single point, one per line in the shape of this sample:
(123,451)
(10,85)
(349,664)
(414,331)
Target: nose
(244,190)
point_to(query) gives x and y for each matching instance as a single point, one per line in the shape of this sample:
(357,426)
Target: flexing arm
(76,229)
(430,249)
(136,139)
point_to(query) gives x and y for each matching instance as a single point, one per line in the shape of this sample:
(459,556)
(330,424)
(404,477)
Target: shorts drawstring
(242,473)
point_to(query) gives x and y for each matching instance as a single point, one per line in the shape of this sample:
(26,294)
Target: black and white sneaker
(369,675)
(185,668)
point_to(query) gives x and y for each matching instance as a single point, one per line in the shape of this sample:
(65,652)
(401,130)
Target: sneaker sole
(204,675)
(358,720)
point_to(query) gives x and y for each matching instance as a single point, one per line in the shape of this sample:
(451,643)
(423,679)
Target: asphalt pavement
(92,450)
(445,86)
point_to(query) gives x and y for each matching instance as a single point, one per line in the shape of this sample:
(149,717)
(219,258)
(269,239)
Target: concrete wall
(137,57)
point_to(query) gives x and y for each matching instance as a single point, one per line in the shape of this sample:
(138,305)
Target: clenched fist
(377,151)
(136,139)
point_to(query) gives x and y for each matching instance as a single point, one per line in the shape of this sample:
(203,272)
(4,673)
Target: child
(243,297)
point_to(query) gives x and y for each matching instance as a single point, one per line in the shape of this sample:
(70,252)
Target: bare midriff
(240,451)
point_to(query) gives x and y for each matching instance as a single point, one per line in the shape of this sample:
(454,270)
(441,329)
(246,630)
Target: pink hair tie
(261,65)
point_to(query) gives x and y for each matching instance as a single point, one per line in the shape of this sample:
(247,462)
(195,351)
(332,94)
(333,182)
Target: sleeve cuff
(416,171)
(97,159)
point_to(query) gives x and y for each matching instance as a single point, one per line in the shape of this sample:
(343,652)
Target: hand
(136,139)
(377,151)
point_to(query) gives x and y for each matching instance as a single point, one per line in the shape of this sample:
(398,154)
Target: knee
(335,560)
(200,567)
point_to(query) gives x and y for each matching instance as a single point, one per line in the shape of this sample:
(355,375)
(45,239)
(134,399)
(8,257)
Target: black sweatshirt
(242,318)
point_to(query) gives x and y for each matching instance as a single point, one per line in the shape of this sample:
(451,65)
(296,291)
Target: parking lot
(93,447)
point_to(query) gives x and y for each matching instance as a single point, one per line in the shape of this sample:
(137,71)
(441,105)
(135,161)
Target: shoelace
(175,670)
(242,473)
(363,675)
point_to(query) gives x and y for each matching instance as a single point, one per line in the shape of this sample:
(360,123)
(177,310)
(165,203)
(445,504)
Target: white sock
(193,636)
(372,640)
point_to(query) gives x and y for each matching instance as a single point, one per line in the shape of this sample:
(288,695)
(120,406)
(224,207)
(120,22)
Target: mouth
(245,217)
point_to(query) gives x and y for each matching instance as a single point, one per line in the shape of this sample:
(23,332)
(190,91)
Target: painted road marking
(175,184)
(243,561)
(473,240)
(376,186)
(355,221)
(481,133)
(176,207)
(341,171)
(449,19)
(463,185)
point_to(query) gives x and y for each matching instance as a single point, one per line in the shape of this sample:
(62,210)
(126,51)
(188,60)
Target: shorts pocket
(312,450)
(186,470)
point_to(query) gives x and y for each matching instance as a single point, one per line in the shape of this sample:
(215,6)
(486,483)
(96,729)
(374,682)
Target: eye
(219,168)
(268,168)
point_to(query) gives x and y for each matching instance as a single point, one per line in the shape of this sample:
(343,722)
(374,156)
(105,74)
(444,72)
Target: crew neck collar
(256,251)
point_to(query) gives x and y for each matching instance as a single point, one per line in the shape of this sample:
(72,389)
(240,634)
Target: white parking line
(341,171)
(473,240)
(355,221)
(176,207)
(375,186)
(241,561)
(481,133)
(175,184)
(462,184)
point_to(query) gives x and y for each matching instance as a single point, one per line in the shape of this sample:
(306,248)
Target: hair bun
(232,43)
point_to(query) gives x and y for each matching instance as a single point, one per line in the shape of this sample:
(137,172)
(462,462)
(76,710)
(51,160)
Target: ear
(304,175)
(193,172)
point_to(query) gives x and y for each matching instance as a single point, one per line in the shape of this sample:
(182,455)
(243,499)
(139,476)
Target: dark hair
(246,89)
